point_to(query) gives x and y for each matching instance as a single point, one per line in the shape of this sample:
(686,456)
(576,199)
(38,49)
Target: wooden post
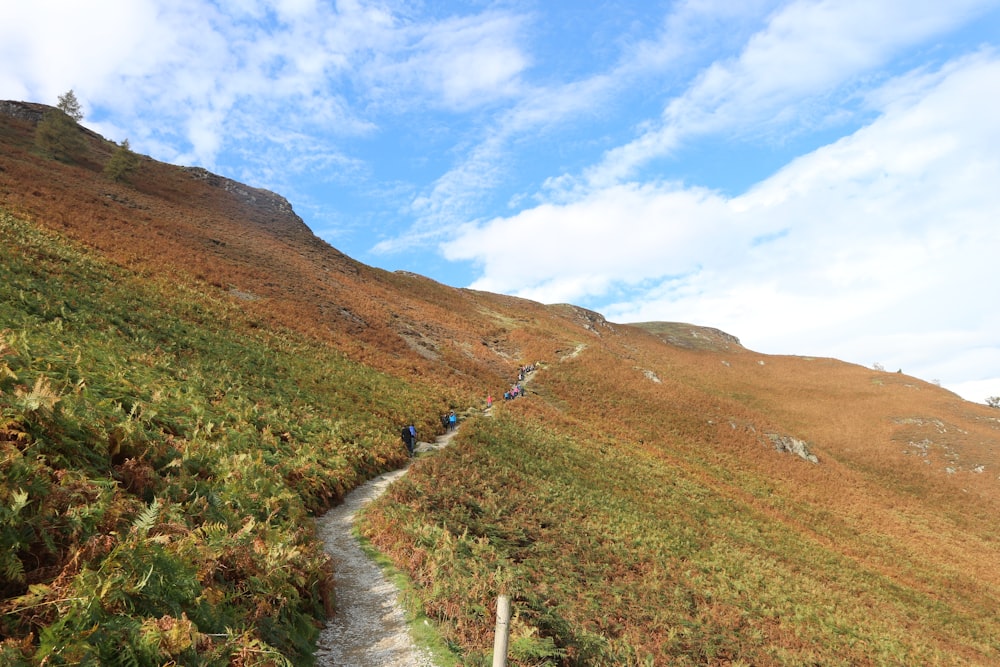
(502,632)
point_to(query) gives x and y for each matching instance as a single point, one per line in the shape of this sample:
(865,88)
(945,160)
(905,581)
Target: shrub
(58,136)
(122,163)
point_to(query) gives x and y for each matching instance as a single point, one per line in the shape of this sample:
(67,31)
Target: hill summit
(188,375)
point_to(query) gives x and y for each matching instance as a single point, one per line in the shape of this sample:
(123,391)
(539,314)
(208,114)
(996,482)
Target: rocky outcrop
(263,200)
(590,320)
(786,443)
(28,111)
(691,337)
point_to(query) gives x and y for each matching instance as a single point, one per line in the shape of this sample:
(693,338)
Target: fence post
(502,632)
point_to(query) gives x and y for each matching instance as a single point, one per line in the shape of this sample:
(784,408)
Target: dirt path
(369,627)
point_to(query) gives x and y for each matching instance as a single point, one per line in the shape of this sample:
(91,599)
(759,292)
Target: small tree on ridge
(57,133)
(70,106)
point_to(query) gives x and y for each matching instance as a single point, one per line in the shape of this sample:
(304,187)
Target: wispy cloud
(805,63)
(455,196)
(459,63)
(878,231)
(550,107)
(213,75)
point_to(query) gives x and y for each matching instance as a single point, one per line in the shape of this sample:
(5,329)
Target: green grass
(160,457)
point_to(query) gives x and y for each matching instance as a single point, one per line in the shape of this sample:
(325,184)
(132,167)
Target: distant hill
(187,374)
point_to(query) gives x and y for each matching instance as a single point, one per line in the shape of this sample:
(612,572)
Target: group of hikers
(449,420)
(517,389)
(409,433)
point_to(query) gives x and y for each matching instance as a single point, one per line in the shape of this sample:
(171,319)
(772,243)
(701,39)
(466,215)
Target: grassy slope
(640,522)
(160,457)
(187,373)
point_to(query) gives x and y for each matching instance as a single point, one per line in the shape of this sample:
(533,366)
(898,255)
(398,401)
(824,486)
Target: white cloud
(454,196)
(810,49)
(694,28)
(883,237)
(50,46)
(458,64)
(472,62)
(806,50)
(621,233)
(190,74)
(691,27)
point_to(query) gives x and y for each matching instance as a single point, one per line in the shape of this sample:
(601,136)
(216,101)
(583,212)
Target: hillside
(187,374)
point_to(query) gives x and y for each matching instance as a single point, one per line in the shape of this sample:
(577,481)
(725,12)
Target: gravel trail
(369,626)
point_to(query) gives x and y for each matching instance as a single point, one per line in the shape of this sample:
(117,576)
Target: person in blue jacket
(409,436)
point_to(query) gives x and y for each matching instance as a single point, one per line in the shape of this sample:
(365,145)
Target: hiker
(489,401)
(452,420)
(409,437)
(444,421)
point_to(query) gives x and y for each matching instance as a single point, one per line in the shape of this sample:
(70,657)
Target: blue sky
(815,177)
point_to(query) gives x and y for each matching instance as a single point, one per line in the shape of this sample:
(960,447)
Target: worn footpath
(369,626)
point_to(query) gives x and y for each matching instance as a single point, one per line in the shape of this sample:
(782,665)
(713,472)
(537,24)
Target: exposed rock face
(722,335)
(264,200)
(23,110)
(588,319)
(786,443)
(650,375)
(275,214)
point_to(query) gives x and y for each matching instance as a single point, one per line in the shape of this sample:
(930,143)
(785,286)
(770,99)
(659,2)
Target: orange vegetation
(644,503)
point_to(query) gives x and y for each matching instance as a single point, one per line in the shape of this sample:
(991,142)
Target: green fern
(149,423)
(213,532)
(147,518)
(13,568)
(20,498)
(126,657)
